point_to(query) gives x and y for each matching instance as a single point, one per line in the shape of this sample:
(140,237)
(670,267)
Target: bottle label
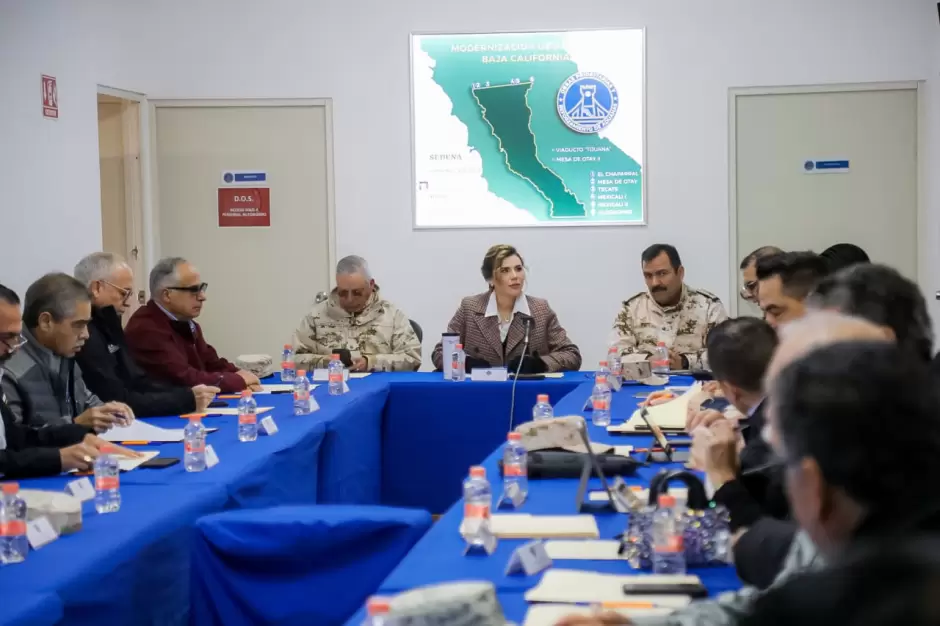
(247,418)
(106,483)
(13,528)
(661,363)
(301,396)
(287,365)
(476,511)
(335,377)
(673,544)
(513,469)
(192,448)
(601,404)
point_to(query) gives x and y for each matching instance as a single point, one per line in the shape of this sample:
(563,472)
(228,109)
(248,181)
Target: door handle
(141,297)
(937,295)
(135,252)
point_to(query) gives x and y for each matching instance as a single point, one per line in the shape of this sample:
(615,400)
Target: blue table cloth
(434,430)
(30,609)
(438,556)
(296,565)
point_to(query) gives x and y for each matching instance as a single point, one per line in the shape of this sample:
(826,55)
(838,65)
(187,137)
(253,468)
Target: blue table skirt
(438,556)
(434,430)
(30,609)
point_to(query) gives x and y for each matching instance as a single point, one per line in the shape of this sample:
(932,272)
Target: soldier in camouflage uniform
(669,311)
(355,317)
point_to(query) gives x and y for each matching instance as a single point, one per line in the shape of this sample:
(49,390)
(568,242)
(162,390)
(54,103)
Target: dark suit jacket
(172,352)
(112,375)
(480,335)
(34,452)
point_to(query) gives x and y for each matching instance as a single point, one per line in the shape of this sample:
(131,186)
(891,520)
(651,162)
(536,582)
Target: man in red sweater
(168,344)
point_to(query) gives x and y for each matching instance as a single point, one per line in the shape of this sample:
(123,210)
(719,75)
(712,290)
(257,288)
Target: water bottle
(13,543)
(614,362)
(376,610)
(543,409)
(477,501)
(458,364)
(107,481)
(515,466)
(288,373)
(600,401)
(668,549)
(247,417)
(660,360)
(336,373)
(194,445)
(301,393)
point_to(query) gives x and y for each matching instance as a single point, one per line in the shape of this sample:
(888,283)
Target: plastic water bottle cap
(246,393)
(10,488)
(108,449)
(301,373)
(602,378)
(460,346)
(603,363)
(287,346)
(378,606)
(514,436)
(666,500)
(661,344)
(334,357)
(478,471)
(195,418)
(542,397)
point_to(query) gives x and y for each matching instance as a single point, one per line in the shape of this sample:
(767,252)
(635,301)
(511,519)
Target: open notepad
(577,587)
(670,415)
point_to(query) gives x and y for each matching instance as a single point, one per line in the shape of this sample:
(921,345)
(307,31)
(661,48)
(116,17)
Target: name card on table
(530,558)
(513,496)
(81,489)
(482,529)
(39,532)
(212,459)
(489,374)
(269,426)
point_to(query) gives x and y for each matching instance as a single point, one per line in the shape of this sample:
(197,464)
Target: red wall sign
(244,206)
(50,97)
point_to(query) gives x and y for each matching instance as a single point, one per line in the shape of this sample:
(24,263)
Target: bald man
(797,339)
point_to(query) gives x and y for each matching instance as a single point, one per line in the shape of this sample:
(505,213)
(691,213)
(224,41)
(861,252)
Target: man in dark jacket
(26,452)
(166,341)
(107,366)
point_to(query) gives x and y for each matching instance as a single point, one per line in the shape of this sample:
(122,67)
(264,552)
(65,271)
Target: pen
(627,605)
(281,392)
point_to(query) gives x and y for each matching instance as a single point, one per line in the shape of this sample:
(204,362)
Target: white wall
(357,54)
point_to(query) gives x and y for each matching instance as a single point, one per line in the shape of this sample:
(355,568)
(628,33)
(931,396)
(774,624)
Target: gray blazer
(38,396)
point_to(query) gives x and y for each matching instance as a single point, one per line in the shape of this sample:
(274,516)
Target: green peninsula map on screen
(519,129)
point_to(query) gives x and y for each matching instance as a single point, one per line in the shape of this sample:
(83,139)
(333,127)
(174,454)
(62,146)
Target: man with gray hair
(166,341)
(42,383)
(109,370)
(369,332)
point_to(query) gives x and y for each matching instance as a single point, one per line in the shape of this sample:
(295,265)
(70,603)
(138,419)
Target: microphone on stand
(527,320)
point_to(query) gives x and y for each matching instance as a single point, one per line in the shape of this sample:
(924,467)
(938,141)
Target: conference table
(404,439)
(438,556)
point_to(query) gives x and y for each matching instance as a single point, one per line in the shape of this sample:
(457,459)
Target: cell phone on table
(693,590)
(218,404)
(159,462)
(675,456)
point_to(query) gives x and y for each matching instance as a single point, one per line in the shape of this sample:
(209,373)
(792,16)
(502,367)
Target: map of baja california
(506,110)
(504,90)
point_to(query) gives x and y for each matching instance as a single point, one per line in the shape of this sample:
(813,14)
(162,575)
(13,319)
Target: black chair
(418,331)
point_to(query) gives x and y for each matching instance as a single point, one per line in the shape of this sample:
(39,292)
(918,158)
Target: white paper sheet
(282,387)
(139,430)
(584,550)
(528,526)
(551,614)
(127,464)
(680,493)
(234,411)
(575,586)
(354,375)
(670,414)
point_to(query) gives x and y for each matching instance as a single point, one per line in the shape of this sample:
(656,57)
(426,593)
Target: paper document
(551,614)
(584,550)
(234,410)
(127,464)
(681,494)
(139,430)
(359,374)
(554,375)
(575,586)
(669,415)
(528,526)
(279,387)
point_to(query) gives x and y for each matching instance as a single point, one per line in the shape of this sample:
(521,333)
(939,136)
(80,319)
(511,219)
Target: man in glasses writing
(166,341)
(109,370)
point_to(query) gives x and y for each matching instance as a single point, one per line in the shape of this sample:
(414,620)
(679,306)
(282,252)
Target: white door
(262,279)
(873,204)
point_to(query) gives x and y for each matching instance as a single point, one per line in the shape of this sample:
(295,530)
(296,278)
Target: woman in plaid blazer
(492,325)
